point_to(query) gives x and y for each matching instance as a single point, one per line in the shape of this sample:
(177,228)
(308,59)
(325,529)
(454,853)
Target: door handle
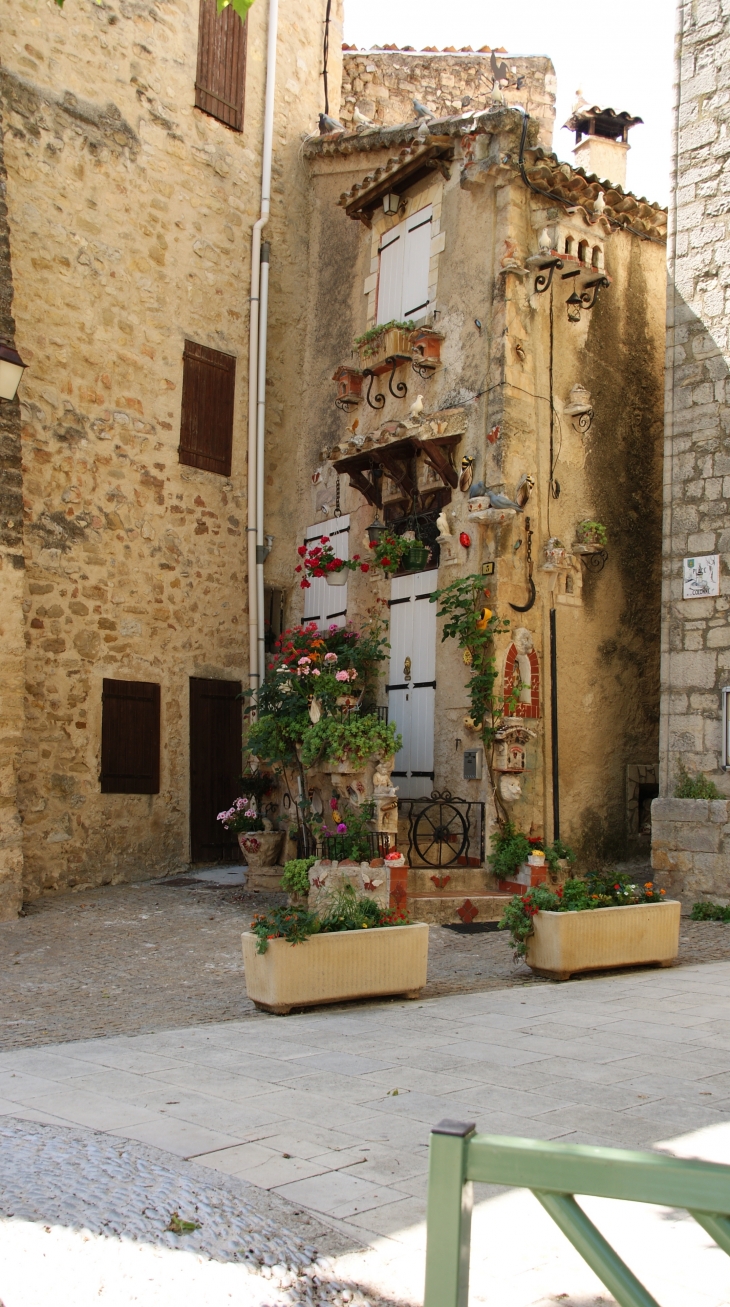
(407,670)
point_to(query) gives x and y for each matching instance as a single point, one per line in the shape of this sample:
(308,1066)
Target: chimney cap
(596,121)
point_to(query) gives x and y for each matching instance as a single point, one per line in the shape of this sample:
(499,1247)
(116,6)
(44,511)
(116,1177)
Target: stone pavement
(144,957)
(329,1112)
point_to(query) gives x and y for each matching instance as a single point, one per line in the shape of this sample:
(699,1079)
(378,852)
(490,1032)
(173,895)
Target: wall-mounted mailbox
(473,764)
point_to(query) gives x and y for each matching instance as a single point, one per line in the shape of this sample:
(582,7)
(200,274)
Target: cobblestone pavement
(84,1187)
(328,1112)
(151,956)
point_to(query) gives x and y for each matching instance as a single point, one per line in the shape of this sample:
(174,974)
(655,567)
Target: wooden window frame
(200,364)
(146,779)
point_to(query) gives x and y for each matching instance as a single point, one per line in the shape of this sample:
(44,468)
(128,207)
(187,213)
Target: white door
(327,604)
(412,681)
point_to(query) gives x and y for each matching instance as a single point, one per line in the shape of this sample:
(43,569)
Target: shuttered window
(130,737)
(206,428)
(327,604)
(221,74)
(405,260)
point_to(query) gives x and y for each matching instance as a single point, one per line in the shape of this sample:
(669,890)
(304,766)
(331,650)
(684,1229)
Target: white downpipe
(257,370)
(260,439)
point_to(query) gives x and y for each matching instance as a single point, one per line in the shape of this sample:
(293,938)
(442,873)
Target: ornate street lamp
(11,370)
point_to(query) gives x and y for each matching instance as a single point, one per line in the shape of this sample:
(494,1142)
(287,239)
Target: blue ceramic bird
(496,500)
(421,110)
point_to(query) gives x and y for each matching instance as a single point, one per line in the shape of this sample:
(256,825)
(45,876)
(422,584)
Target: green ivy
(374,333)
(474,627)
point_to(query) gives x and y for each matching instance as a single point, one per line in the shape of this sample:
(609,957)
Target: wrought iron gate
(443,831)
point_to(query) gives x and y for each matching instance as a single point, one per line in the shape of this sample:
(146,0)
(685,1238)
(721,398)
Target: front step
(452,880)
(447,909)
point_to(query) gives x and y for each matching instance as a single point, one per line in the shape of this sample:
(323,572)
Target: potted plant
(355,948)
(386,340)
(259,844)
(321,561)
(592,925)
(391,552)
(296,880)
(348,746)
(590,537)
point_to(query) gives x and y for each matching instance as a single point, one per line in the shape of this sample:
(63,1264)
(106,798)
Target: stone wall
(695,634)
(691,848)
(130,215)
(11,598)
(384,84)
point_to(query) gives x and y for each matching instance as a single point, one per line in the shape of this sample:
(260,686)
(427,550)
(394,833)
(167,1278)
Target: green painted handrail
(555,1173)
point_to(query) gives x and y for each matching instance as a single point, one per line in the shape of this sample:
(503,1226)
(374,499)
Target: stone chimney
(602,141)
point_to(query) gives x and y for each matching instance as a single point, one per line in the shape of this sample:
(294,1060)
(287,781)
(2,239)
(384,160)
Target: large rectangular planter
(334,967)
(563,943)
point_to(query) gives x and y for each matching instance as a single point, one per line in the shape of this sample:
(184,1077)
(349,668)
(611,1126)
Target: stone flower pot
(331,968)
(260,848)
(563,943)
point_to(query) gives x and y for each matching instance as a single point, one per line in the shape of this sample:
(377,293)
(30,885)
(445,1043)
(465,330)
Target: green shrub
(694,787)
(345,910)
(710,912)
(357,737)
(296,875)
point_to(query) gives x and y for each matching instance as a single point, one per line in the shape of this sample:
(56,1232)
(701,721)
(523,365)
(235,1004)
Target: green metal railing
(554,1173)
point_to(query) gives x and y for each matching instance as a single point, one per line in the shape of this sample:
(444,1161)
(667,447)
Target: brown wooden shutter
(206,428)
(130,737)
(221,74)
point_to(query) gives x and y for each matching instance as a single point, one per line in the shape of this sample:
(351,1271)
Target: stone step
(451,880)
(442,909)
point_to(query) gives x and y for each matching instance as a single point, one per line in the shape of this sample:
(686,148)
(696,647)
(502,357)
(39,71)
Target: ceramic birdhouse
(426,350)
(349,387)
(555,556)
(509,757)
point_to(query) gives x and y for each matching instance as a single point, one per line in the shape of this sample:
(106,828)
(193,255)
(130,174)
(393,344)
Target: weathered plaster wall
(12,647)
(695,633)
(130,213)
(382,85)
(608,628)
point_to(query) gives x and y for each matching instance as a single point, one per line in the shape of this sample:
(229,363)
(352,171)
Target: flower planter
(334,968)
(417,556)
(260,848)
(563,943)
(392,343)
(337,578)
(344,767)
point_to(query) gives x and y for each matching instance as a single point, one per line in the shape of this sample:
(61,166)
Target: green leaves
(241,7)
(357,737)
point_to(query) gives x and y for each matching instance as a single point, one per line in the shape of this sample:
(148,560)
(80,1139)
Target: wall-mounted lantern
(11,371)
(391,203)
(376,530)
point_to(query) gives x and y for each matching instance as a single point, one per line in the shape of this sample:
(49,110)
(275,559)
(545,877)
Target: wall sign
(701,577)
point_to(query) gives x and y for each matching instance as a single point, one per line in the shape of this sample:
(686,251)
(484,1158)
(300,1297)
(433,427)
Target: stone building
(543,288)
(692,837)
(132,136)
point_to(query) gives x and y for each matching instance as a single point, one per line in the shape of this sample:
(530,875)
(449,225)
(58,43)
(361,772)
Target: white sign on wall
(702,576)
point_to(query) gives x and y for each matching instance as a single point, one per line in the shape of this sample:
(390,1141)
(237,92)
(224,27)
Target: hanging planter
(336,577)
(320,561)
(417,555)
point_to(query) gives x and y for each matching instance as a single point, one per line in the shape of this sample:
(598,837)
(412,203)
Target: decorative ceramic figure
(509,788)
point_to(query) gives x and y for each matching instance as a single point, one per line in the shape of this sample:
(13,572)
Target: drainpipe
(260,438)
(554,723)
(257,371)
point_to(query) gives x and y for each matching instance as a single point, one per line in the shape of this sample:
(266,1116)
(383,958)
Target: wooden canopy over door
(215,766)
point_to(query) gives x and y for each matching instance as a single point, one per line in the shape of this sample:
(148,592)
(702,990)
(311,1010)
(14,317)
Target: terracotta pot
(260,848)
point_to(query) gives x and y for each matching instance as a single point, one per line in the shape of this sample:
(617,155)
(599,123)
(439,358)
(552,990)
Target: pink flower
(342,676)
(341,827)
(333,804)
(333,627)
(303,661)
(330,657)
(316,671)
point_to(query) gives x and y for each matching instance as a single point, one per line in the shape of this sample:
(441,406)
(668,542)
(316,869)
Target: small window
(130,737)
(405,260)
(206,427)
(597,259)
(569,244)
(583,251)
(221,72)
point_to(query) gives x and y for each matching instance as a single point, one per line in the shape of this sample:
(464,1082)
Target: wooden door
(215,766)
(412,681)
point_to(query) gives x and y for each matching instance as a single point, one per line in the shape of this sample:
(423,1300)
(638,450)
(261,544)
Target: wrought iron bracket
(378,401)
(595,562)
(401,389)
(346,404)
(542,282)
(595,285)
(582,421)
(422,370)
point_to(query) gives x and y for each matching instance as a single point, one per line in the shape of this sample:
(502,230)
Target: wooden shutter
(221,74)
(416,264)
(206,428)
(130,737)
(390,279)
(327,604)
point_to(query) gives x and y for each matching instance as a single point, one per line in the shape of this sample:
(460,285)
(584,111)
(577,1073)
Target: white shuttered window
(405,255)
(327,604)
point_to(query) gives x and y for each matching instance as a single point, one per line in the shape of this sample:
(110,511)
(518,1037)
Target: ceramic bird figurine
(500,501)
(416,408)
(442,522)
(497,96)
(599,204)
(360,118)
(484,619)
(467,472)
(476,490)
(353,426)
(544,243)
(525,487)
(421,110)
